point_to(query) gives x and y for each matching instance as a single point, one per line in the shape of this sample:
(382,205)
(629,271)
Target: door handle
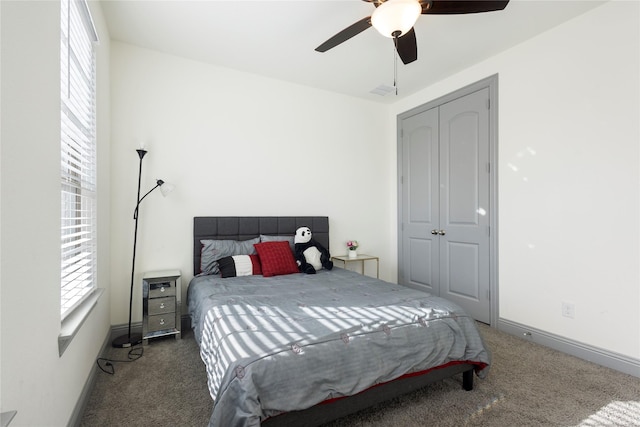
(434,232)
(441,232)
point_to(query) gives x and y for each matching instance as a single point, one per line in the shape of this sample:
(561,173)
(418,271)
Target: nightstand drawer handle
(162,305)
(162,321)
(162,289)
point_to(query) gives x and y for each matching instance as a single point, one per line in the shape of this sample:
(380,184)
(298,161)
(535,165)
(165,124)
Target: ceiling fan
(396,18)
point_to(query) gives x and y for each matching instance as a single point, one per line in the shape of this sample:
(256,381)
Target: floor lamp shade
(131,339)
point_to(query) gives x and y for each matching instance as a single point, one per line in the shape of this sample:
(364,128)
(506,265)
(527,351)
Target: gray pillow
(267,238)
(213,250)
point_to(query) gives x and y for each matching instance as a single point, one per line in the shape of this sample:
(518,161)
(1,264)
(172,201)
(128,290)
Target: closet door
(445,202)
(419,197)
(464,203)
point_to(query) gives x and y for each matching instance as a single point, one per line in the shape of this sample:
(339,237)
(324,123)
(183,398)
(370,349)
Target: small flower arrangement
(352,245)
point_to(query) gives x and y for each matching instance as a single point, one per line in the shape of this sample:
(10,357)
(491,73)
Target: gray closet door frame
(492,84)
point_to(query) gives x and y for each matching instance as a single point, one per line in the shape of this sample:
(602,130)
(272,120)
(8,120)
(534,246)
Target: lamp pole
(129,340)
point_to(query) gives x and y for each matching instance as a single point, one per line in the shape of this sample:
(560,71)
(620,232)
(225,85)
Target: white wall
(569,190)
(237,144)
(42,386)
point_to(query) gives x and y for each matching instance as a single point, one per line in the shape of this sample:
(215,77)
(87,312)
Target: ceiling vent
(383,90)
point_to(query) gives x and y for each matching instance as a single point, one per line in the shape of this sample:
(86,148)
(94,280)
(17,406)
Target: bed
(292,349)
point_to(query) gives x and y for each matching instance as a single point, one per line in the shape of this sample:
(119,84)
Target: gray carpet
(529,385)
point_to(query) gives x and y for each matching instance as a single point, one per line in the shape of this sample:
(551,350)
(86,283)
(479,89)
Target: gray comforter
(284,343)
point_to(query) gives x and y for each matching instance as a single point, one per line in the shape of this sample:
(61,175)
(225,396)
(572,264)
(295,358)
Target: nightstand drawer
(162,305)
(162,289)
(162,321)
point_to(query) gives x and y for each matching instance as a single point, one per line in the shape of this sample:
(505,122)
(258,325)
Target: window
(78,155)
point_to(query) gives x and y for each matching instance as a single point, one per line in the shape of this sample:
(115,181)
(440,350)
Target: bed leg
(467,380)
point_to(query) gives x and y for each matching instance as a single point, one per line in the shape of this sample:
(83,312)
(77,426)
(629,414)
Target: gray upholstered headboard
(248,227)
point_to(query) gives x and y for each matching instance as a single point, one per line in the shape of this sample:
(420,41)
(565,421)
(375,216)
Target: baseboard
(83,400)
(609,359)
(119,330)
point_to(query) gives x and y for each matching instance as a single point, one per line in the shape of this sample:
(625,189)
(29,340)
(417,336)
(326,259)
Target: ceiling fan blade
(407,47)
(346,34)
(454,7)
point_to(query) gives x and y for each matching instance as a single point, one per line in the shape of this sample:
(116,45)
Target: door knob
(441,232)
(434,232)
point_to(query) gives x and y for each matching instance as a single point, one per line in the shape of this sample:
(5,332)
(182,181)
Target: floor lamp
(130,339)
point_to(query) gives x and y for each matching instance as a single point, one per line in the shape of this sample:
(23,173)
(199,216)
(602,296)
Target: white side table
(361,259)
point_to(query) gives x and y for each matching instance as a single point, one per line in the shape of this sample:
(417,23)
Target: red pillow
(276,258)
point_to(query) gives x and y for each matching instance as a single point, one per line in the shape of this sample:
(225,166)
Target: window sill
(71,324)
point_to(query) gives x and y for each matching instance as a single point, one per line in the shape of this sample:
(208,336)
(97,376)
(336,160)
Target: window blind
(78,155)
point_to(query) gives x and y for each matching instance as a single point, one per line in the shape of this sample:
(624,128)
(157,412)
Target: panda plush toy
(310,255)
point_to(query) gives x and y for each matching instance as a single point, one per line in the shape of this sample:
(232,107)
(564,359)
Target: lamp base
(126,341)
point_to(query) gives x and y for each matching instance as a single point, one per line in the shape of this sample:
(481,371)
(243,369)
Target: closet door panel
(421,253)
(419,209)
(463,282)
(464,203)
(461,160)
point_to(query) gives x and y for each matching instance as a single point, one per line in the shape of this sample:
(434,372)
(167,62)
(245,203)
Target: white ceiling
(277,38)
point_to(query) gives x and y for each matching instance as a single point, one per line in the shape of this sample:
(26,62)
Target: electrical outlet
(568,310)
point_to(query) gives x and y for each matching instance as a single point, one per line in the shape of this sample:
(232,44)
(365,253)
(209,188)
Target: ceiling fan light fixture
(396,15)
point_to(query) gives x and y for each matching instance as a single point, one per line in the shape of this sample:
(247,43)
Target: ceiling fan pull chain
(395,72)
(395,61)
